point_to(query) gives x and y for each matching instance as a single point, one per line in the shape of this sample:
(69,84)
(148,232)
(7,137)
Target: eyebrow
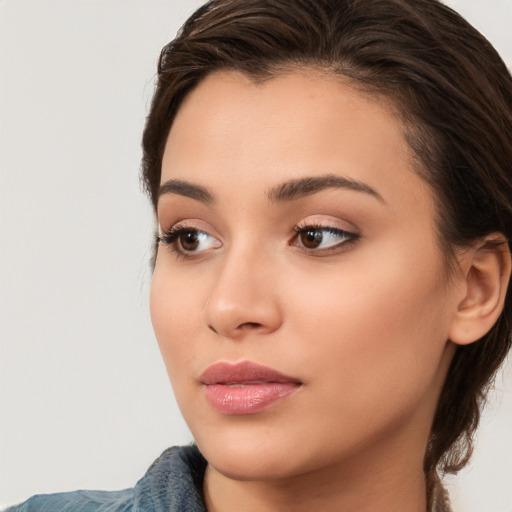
(184,188)
(287,191)
(303,187)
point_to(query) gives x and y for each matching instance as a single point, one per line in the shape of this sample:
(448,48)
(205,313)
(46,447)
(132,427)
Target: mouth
(245,388)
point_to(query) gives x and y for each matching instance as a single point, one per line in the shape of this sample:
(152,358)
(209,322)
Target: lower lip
(247,398)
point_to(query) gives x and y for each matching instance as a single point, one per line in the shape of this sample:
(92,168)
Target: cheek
(175,313)
(372,329)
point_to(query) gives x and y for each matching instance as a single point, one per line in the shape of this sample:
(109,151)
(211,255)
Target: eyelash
(171,239)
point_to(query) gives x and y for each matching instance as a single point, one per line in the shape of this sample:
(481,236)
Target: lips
(245,388)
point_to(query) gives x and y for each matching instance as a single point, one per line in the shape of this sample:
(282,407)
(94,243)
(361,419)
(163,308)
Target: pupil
(311,239)
(189,241)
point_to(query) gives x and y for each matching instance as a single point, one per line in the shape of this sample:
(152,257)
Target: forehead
(231,129)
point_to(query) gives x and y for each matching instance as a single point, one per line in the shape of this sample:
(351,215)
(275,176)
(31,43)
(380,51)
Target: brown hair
(453,93)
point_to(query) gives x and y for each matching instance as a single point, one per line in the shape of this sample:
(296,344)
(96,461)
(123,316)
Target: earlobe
(486,276)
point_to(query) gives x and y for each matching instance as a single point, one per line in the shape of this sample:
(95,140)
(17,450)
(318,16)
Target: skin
(364,324)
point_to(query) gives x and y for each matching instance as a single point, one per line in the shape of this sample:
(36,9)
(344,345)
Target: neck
(359,485)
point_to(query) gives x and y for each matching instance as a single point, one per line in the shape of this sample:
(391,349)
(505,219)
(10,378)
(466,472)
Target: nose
(244,299)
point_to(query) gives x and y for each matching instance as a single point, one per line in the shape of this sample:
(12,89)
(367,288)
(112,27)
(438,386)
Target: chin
(253,455)
(247,465)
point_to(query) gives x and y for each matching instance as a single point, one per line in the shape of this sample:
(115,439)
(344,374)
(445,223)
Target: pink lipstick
(245,388)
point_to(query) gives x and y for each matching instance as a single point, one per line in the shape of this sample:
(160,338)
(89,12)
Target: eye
(188,240)
(322,237)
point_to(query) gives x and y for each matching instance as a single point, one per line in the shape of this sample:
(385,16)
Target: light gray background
(84,397)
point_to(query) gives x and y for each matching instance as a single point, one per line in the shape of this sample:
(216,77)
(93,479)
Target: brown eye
(318,239)
(189,240)
(311,238)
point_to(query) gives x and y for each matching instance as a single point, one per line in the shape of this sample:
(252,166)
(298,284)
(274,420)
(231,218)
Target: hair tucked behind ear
(453,94)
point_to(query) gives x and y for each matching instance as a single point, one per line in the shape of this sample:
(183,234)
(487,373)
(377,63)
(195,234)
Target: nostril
(246,326)
(249,325)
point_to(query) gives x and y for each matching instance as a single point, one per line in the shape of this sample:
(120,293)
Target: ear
(486,271)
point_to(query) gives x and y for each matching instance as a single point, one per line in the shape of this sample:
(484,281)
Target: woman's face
(297,237)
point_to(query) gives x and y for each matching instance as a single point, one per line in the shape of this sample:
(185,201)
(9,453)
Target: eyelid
(183,222)
(328,222)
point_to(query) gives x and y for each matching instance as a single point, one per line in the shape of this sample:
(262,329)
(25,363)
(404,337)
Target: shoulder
(85,501)
(172,483)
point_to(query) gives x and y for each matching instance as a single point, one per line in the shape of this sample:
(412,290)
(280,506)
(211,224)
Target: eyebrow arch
(288,191)
(303,187)
(184,188)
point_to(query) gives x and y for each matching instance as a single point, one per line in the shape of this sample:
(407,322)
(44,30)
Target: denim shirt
(173,483)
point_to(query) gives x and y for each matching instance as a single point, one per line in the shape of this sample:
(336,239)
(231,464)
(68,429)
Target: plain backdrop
(84,397)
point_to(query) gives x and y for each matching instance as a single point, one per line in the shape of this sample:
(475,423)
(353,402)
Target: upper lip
(244,372)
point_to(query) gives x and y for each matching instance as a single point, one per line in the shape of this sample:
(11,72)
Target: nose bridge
(243,297)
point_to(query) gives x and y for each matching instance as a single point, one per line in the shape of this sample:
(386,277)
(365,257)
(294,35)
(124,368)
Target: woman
(332,185)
